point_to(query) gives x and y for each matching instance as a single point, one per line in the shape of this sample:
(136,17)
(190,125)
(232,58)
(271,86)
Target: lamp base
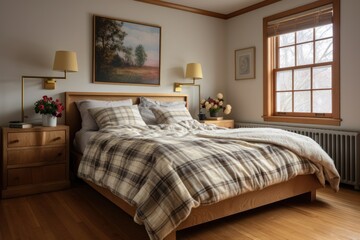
(49,84)
(177,87)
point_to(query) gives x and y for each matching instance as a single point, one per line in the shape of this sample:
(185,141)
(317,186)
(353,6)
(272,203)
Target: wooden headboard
(72,115)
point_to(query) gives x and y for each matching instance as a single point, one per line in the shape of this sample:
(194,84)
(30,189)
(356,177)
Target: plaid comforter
(166,170)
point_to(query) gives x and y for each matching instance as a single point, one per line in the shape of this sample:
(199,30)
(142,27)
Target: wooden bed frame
(302,186)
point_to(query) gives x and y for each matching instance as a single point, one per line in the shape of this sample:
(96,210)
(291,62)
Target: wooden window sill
(304,120)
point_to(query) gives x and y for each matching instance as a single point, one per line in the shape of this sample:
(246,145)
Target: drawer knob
(59,154)
(14,141)
(57,139)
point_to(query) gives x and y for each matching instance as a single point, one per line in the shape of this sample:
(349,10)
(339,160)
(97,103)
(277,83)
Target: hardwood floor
(81,213)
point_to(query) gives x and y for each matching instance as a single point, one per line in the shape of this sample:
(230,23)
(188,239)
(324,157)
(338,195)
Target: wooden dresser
(228,123)
(34,160)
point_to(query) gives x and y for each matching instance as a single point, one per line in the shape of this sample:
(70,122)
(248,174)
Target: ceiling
(224,9)
(218,6)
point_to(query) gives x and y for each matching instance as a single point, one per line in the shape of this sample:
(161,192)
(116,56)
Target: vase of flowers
(214,114)
(215,105)
(49,120)
(50,110)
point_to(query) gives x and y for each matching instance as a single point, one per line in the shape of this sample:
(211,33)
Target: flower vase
(49,120)
(202,116)
(214,114)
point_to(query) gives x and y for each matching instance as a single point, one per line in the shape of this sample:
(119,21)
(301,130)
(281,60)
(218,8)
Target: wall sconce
(194,71)
(65,61)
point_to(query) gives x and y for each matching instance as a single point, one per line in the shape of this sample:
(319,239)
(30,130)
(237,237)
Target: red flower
(46,105)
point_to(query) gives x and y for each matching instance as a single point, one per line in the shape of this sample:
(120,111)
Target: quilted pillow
(117,116)
(171,115)
(87,121)
(147,103)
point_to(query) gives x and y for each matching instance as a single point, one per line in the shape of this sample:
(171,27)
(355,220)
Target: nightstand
(228,123)
(34,160)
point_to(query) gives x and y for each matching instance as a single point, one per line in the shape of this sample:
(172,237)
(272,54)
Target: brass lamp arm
(48,83)
(177,88)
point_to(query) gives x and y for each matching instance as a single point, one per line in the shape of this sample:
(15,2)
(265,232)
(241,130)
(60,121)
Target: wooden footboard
(302,186)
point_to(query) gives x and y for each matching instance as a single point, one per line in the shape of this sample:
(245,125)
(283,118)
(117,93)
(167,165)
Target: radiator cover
(342,147)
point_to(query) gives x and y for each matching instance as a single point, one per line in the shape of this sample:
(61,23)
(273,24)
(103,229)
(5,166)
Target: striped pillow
(171,115)
(117,116)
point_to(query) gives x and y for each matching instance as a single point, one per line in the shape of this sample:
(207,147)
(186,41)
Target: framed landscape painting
(126,52)
(245,63)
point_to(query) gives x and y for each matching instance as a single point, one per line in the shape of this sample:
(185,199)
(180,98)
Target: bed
(303,186)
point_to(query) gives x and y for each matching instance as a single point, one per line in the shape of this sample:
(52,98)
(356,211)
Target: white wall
(31,32)
(247,95)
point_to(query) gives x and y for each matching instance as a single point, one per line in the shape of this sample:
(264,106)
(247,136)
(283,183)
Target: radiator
(342,147)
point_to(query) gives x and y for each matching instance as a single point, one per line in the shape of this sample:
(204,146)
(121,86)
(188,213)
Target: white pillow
(171,115)
(87,121)
(117,116)
(148,102)
(147,115)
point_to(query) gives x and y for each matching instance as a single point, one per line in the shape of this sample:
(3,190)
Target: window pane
(302,79)
(287,58)
(284,80)
(322,77)
(286,39)
(302,101)
(322,101)
(304,35)
(324,31)
(324,50)
(304,54)
(283,101)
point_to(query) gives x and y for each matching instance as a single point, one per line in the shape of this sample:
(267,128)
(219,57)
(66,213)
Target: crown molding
(210,13)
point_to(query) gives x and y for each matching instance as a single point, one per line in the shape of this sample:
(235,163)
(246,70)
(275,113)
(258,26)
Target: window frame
(270,64)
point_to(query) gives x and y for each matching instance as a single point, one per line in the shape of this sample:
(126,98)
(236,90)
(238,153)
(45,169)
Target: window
(301,65)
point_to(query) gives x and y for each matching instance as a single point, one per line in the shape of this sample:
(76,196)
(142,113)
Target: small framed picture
(245,63)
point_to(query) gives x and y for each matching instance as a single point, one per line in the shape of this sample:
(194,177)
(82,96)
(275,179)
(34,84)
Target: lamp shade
(193,70)
(65,61)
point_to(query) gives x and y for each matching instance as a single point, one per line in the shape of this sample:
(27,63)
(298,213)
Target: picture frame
(126,52)
(245,63)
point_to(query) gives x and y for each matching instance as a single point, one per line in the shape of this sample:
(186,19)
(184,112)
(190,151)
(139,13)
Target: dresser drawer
(228,123)
(36,155)
(26,139)
(36,175)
